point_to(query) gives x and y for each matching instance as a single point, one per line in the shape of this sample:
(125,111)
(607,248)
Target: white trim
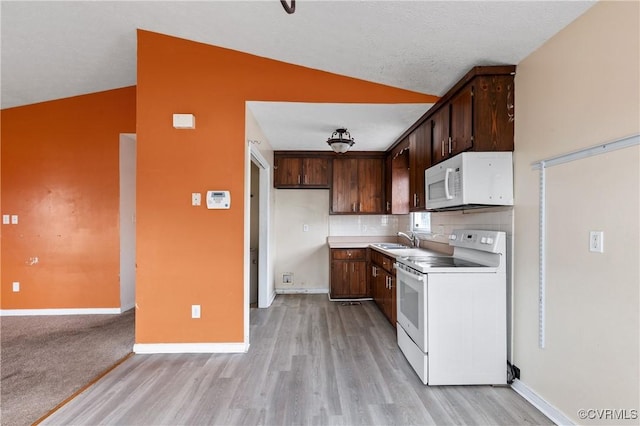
(266,292)
(302,291)
(128,307)
(190,348)
(624,142)
(73,311)
(546,408)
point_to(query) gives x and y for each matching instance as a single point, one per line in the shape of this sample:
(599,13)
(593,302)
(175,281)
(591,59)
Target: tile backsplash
(364,225)
(442,223)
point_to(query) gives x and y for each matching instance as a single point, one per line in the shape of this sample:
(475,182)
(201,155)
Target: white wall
(305,254)
(579,89)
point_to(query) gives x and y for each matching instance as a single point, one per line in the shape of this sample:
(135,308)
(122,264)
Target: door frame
(266,289)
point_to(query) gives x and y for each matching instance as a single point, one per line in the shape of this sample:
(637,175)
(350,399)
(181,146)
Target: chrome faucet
(415,242)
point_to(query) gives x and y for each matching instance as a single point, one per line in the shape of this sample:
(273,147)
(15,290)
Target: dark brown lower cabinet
(349,274)
(383,284)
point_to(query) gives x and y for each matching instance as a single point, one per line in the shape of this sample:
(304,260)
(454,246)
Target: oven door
(412,304)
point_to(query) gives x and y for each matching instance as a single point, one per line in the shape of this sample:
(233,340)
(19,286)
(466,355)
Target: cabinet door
(358,279)
(399,190)
(494,113)
(461,132)
(315,172)
(344,189)
(420,159)
(340,279)
(379,283)
(288,172)
(392,299)
(370,185)
(440,135)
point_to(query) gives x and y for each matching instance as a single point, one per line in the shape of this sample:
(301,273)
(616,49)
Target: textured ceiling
(54,49)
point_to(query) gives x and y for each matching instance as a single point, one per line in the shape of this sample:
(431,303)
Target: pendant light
(340,141)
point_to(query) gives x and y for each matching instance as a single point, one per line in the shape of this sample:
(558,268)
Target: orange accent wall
(60,175)
(190,255)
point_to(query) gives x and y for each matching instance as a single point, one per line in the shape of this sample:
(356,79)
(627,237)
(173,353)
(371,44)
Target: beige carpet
(45,359)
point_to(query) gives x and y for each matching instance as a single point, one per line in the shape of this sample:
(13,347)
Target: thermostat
(218,199)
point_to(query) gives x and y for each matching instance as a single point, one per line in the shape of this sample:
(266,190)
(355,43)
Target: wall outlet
(287,278)
(305,228)
(596,241)
(14,219)
(16,286)
(195,311)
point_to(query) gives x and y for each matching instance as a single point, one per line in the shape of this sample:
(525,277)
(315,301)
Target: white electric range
(452,311)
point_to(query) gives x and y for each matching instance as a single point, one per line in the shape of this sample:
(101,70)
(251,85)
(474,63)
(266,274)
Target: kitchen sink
(390,246)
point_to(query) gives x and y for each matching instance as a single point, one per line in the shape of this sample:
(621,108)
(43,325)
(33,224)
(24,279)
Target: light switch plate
(6,219)
(16,286)
(196,199)
(195,311)
(14,219)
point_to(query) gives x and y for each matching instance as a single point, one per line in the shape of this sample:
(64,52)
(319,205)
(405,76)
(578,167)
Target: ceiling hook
(289,8)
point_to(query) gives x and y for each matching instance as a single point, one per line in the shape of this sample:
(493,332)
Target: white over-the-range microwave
(470,180)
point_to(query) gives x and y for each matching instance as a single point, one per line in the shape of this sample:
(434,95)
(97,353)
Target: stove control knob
(453,237)
(483,240)
(489,240)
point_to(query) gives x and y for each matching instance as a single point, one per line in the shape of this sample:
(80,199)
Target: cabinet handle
(353,267)
(298,179)
(305,180)
(388,206)
(359,207)
(415,200)
(442,147)
(449,144)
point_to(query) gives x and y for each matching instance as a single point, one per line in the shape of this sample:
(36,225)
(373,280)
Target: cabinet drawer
(385,262)
(348,254)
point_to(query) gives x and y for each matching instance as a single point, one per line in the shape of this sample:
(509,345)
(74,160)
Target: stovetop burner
(442,262)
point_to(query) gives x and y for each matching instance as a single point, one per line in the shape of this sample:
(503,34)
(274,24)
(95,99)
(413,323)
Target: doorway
(254,235)
(127,221)
(262,216)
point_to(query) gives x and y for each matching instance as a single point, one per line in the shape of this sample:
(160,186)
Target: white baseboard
(537,401)
(302,290)
(73,311)
(127,307)
(190,348)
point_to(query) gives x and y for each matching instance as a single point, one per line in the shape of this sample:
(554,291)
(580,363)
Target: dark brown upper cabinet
(397,179)
(477,115)
(419,160)
(298,171)
(358,185)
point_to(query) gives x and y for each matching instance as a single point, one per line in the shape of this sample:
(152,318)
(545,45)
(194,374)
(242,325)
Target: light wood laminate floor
(311,361)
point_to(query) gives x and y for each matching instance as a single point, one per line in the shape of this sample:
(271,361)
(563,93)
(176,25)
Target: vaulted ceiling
(56,49)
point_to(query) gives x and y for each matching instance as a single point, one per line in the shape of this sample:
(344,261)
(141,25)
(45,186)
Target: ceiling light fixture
(289,8)
(340,143)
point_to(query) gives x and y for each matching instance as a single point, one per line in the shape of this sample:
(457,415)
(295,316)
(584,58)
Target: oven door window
(410,305)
